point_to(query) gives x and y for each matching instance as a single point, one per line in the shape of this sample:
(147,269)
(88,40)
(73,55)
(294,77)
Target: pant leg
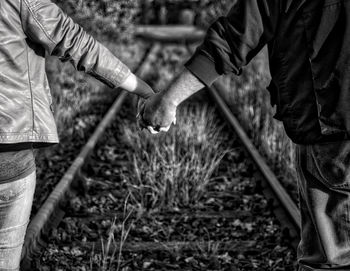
(16,200)
(324,192)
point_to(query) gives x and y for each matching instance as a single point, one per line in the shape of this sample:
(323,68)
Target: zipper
(31,92)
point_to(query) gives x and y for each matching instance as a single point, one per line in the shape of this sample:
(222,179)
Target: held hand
(157,114)
(159,111)
(141,123)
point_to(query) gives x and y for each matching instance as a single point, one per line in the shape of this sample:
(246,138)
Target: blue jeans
(16,200)
(324,192)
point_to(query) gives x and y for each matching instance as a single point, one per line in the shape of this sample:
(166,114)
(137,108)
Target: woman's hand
(137,86)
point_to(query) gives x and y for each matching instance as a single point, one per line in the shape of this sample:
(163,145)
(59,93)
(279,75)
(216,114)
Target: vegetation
(145,213)
(106,17)
(173,170)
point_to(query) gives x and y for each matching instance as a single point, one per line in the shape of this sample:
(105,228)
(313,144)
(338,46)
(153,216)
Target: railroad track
(285,208)
(61,210)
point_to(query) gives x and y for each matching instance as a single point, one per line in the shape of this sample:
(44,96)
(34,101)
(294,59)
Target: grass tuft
(105,261)
(172,170)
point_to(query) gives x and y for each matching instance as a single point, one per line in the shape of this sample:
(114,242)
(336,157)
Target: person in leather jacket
(29,29)
(309,55)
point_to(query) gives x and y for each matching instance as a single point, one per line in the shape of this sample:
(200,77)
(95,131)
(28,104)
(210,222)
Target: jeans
(15,205)
(324,193)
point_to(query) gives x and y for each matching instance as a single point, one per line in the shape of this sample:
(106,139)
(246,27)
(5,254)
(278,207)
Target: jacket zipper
(31,94)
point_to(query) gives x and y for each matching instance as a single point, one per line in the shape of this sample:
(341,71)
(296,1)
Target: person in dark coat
(309,56)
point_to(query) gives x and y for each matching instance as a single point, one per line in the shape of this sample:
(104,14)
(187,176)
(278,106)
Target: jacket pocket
(330,163)
(12,191)
(325,31)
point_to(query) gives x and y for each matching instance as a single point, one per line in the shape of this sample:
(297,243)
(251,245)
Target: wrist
(185,85)
(168,100)
(172,97)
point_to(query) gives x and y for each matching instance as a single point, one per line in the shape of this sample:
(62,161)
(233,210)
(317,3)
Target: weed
(172,170)
(112,250)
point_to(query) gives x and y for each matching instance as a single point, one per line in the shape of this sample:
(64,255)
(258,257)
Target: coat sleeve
(233,40)
(46,24)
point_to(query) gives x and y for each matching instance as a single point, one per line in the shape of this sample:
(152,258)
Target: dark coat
(309,57)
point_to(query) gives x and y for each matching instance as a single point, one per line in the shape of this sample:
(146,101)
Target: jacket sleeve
(45,23)
(232,41)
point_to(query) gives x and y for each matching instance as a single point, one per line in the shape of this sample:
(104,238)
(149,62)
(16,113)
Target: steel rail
(270,177)
(41,221)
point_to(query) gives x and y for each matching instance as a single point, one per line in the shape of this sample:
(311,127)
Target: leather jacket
(29,29)
(308,43)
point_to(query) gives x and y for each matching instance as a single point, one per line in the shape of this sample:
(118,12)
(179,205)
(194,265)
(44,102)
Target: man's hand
(157,113)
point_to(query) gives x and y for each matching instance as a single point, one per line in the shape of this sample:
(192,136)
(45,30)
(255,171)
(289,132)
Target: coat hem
(14,138)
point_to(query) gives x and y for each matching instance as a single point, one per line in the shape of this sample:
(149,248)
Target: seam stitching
(38,22)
